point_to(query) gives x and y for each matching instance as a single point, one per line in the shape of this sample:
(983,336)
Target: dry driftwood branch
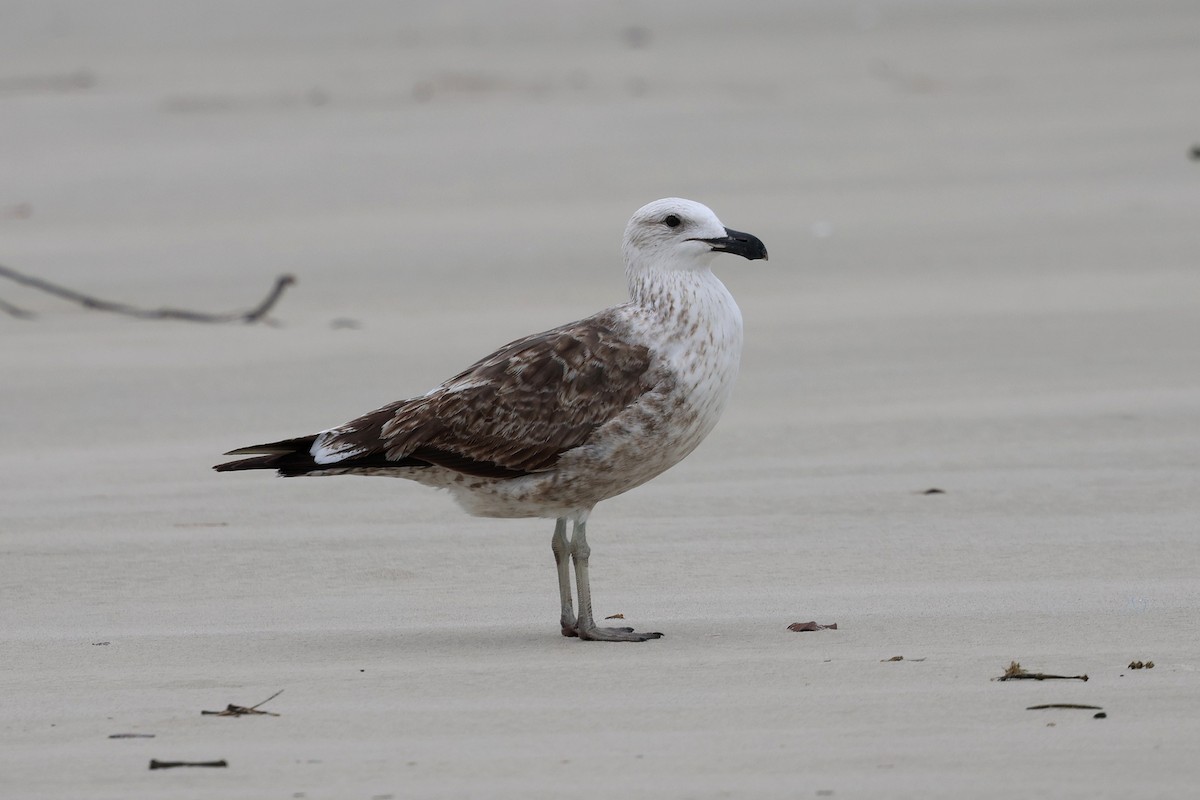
(239,711)
(156,764)
(256,314)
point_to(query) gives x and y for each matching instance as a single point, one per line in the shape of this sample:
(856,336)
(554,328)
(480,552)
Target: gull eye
(672,221)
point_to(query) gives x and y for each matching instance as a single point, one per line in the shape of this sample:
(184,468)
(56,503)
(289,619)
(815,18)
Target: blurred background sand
(983,278)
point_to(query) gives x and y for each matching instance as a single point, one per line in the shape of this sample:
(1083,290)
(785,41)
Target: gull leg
(585,627)
(562,560)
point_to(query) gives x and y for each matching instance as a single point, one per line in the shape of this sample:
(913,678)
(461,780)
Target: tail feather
(290,457)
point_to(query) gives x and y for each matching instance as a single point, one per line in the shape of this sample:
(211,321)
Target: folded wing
(510,414)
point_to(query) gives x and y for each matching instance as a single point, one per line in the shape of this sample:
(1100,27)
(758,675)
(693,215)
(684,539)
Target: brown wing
(509,414)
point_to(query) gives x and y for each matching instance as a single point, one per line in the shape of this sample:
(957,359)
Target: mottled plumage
(551,424)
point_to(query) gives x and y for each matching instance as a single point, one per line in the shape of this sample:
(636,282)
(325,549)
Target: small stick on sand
(256,314)
(238,711)
(156,764)
(1064,705)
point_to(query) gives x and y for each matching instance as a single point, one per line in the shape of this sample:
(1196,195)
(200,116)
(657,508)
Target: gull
(551,424)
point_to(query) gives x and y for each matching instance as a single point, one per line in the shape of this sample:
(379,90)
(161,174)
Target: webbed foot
(595,633)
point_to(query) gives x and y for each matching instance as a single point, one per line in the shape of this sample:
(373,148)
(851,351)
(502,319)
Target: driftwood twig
(240,711)
(156,764)
(256,314)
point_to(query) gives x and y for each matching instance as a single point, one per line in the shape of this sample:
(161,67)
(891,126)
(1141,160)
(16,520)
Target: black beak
(741,244)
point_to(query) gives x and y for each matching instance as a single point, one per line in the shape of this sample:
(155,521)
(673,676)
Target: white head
(676,234)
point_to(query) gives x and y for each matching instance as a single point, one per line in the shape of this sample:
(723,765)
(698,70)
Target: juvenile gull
(550,425)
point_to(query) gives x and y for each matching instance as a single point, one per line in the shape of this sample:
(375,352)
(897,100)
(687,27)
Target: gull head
(677,234)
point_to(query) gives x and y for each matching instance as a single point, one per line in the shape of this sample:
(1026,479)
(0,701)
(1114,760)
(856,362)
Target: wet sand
(983,279)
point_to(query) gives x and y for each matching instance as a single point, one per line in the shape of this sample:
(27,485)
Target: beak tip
(746,245)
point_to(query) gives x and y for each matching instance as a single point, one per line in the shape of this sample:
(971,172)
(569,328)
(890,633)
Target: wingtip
(273,448)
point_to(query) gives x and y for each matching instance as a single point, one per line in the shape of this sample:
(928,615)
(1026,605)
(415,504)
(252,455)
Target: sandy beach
(984,279)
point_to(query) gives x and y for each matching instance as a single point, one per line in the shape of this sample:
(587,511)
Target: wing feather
(511,413)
